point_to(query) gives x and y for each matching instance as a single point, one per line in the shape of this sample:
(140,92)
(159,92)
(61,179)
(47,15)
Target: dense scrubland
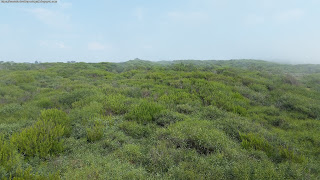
(238,119)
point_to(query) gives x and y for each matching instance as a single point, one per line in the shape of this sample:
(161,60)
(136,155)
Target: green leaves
(95,132)
(200,136)
(56,116)
(42,139)
(144,112)
(116,104)
(159,120)
(252,141)
(10,160)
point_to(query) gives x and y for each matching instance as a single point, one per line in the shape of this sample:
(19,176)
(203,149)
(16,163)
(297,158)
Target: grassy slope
(239,119)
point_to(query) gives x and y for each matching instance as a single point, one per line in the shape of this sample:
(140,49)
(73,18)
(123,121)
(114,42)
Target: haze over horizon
(114,31)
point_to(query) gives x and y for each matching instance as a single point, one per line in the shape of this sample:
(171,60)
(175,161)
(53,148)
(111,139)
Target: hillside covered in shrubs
(237,119)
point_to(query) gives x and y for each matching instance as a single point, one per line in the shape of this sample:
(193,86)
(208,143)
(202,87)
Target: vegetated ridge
(237,119)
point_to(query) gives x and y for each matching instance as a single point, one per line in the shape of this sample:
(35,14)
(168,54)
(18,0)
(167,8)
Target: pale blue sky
(119,30)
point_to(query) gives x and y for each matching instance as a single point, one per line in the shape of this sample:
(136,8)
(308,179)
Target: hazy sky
(119,30)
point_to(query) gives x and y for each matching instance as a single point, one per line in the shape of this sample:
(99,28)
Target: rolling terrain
(237,119)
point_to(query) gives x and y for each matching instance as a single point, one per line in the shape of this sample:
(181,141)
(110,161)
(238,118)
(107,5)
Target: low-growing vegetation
(241,119)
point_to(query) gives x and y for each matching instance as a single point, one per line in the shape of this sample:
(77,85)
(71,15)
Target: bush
(45,103)
(179,97)
(281,122)
(132,153)
(256,98)
(58,117)
(199,168)
(258,87)
(10,109)
(90,111)
(95,132)
(20,77)
(116,104)
(222,96)
(168,117)
(135,129)
(162,157)
(287,154)
(299,104)
(255,169)
(78,131)
(254,141)
(199,135)
(144,112)
(114,140)
(290,79)
(70,97)
(42,139)
(185,108)
(96,166)
(214,113)
(28,174)
(10,160)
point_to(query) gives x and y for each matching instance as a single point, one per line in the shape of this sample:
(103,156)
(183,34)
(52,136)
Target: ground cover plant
(237,119)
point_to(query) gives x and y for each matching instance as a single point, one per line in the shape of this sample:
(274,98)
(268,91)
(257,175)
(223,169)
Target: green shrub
(185,108)
(10,109)
(290,79)
(254,169)
(254,141)
(162,157)
(116,104)
(114,140)
(135,129)
(58,117)
(165,118)
(96,166)
(144,112)
(84,114)
(110,145)
(10,160)
(299,104)
(271,111)
(46,103)
(95,133)
(179,97)
(281,122)
(199,135)
(183,173)
(132,153)
(258,87)
(97,97)
(256,98)
(70,97)
(78,131)
(28,174)
(222,96)
(213,113)
(287,154)
(199,167)
(42,139)
(20,77)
